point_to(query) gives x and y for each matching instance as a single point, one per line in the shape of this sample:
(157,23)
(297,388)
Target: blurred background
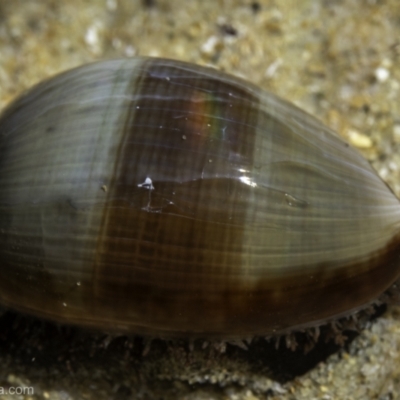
(337,59)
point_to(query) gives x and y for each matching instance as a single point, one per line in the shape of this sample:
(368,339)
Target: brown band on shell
(242,310)
(174,238)
(331,292)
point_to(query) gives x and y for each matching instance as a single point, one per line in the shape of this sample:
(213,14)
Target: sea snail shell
(164,198)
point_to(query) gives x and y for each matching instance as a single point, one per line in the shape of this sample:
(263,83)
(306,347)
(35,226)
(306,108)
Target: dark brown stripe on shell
(175,250)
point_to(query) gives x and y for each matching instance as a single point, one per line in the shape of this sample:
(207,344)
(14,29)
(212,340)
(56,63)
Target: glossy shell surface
(164,198)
